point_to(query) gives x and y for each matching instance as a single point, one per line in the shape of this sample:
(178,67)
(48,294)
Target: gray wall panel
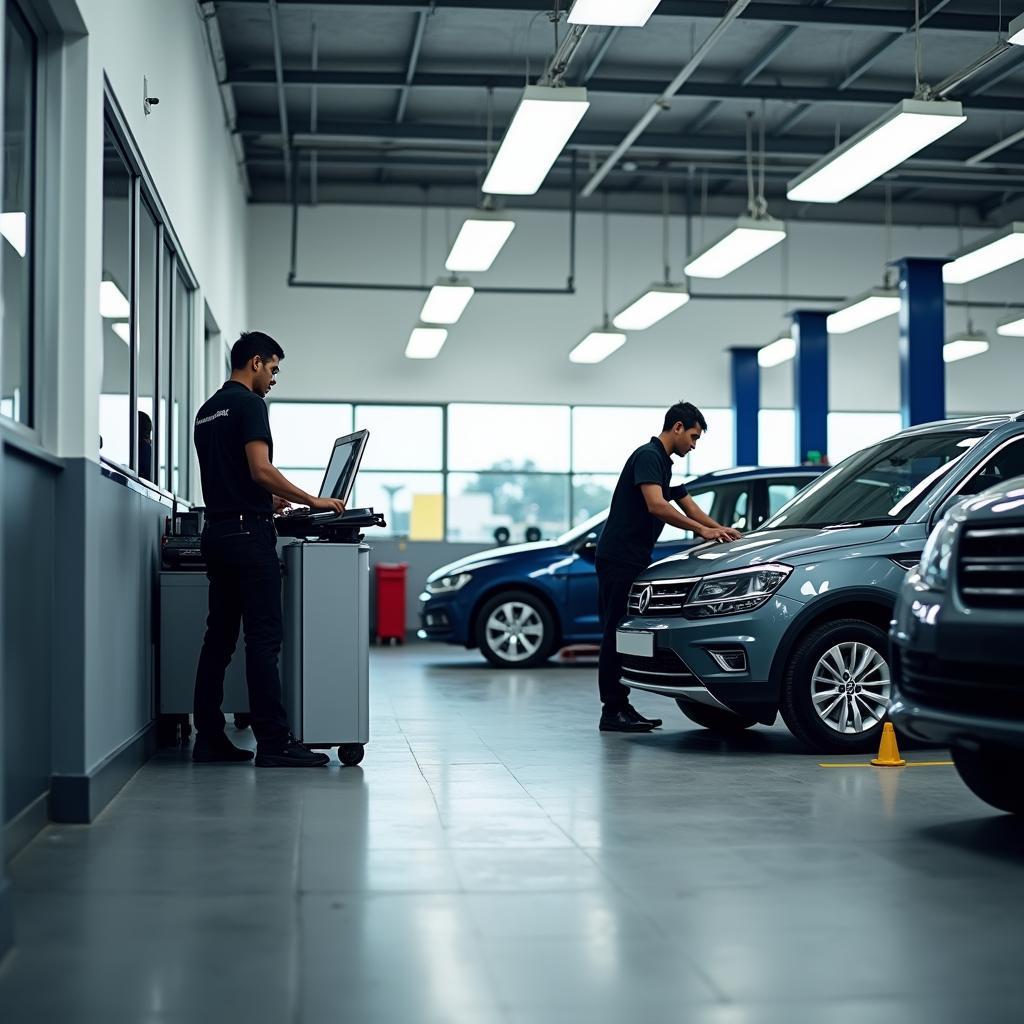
(29,626)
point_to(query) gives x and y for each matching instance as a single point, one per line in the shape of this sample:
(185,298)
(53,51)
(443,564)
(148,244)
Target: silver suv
(794,617)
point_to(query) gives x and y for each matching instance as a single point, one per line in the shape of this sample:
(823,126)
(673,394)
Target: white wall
(349,344)
(188,153)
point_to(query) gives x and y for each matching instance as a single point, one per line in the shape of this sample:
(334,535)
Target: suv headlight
(938,553)
(743,590)
(449,584)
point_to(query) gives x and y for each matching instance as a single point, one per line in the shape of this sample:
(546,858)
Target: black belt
(226,517)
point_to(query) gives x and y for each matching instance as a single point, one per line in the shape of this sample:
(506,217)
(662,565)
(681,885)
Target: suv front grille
(667,597)
(963,686)
(665,667)
(990,569)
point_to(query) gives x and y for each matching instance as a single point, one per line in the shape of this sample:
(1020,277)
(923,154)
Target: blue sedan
(521,604)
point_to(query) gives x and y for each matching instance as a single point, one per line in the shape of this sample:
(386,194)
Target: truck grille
(667,597)
(962,686)
(665,667)
(990,570)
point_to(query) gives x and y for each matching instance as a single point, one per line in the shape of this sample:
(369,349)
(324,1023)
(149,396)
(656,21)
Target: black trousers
(613,584)
(245,588)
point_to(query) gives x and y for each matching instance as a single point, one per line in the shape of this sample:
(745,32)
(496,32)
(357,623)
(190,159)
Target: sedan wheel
(515,630)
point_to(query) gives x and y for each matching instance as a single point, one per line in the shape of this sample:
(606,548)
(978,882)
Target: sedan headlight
(938,553)
(727,593)
(449,584)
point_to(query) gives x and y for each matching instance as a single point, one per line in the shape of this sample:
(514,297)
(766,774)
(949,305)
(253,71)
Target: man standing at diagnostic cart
(641,506)
(242,490)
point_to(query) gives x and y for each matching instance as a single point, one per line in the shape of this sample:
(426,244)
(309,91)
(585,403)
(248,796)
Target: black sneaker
(292,754)
(651,723)
(218,750)
(623,719)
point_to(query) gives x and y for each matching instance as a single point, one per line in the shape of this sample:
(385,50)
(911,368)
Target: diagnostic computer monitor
(340,476)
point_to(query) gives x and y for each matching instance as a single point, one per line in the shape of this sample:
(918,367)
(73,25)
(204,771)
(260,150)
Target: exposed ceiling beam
(693,89)
(600,54)
(410,68)
(877,19)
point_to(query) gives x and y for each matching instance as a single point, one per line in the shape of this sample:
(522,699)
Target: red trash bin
(391,601)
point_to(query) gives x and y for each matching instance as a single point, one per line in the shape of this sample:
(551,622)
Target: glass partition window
(528,505)
(603,437)
(412,503)
(402,436)
(591,494)
(17,220)
(181,370)
(776,437)
(715,447)
(115,306)
(849,432)
(146,353)
(509,438)
(304,434)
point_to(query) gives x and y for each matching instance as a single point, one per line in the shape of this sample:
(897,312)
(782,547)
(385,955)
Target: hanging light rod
(480,239)
(906,129)
(541,126)
(624,13)
(749,239)
(989,254)
(866,309)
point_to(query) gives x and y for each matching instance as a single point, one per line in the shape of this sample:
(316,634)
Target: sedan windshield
(881,485)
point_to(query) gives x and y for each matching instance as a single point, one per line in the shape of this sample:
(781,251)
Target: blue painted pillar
(746,404)
(810,383)
(922,335)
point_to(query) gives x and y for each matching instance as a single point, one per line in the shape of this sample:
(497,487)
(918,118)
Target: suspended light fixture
(963,346)
(1015,33)
(446,301)
(480,239)
(628,13)
(779,351)
(541,126)
(875,305)
(425,342)
(896,136)
(993,253)
(1012,328)
(113,304)
(13,226)
(602,341)
(753,234)
(659,300)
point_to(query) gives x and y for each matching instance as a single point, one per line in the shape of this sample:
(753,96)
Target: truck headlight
(938,553)
(743,590)
(449,584)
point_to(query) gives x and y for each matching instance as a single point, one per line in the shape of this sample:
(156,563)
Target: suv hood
(793,547)
(489,557)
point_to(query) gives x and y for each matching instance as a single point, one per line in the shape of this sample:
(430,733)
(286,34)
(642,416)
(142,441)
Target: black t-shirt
(232,418)
(630,532)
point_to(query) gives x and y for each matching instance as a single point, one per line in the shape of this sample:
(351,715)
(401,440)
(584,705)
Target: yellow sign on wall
(426,519)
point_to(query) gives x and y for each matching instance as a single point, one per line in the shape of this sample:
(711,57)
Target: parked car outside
(794,617)
(958,667)
(521,604)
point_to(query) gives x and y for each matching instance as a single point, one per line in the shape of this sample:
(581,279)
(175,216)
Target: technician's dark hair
(253,343)
(686,413)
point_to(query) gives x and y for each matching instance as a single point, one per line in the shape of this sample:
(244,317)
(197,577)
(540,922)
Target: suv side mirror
(588,549)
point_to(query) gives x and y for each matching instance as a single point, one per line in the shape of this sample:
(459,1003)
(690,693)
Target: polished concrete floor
(496,859)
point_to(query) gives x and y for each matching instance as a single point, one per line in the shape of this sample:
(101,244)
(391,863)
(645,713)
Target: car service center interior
(588,439)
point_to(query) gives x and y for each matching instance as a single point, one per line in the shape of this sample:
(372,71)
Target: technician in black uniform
(641,505)
(242,490)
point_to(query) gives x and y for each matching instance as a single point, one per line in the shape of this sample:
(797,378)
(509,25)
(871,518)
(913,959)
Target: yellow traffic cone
(888,751)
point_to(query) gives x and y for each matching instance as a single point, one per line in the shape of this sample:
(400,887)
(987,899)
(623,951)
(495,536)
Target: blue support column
(746,404)
(922,335)
(810,383)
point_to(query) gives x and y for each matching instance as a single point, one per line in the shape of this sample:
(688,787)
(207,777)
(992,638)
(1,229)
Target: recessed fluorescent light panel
(113,304)
(780,351)
(425,342)
(655,304)
(543,122)
(120,328)
(963,346)
(745,242)
(446,302)
(479,241)
(1016,30)
(629,13)
(896,136)
(867,309)
(1013,328)
(13,228)
(597,345)
(984,257)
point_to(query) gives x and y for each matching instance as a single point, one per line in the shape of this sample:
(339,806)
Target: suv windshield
(881,485)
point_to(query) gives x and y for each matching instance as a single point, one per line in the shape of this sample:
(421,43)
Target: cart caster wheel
(351,753)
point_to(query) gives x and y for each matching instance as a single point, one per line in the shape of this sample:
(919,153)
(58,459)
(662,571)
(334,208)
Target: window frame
(143,190)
